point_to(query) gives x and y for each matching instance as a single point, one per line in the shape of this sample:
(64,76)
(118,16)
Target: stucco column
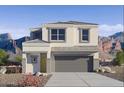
(24,62)
(48,62)
(95,60)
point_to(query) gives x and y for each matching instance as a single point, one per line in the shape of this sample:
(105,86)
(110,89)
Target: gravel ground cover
(119,75)
(10,80)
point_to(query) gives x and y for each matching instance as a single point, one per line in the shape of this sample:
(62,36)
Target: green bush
(18,58)
(3,57)
(120,58)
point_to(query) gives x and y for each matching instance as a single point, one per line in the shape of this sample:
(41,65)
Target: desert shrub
(18,58)
(15,69)
(119,58)
(3,57)
(30,80)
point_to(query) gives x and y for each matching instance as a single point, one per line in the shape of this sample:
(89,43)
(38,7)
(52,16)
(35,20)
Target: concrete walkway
(84,79)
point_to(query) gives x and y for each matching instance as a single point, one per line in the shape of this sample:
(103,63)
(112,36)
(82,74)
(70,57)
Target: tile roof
(75,23)
(36,41)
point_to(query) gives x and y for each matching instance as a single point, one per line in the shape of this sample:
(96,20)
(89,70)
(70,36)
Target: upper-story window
(36,34)
(85,35)
(57,34)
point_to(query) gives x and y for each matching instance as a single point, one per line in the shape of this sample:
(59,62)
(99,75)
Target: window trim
(33,34)
(33,57)
(81,35)
(50,35)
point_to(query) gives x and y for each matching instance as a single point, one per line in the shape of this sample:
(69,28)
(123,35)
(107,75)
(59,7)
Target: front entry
(33,64)
(43,59)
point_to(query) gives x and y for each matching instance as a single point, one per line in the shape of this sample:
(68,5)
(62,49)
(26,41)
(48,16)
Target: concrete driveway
(84,79)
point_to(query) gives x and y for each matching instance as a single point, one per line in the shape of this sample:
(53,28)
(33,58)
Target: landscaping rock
(116,73)
(104,69)
(97,70)
(39,74)
(12,80)
(3,70)
(107,69)
(113,72)
(45,74)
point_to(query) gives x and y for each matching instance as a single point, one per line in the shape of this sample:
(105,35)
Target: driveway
(84,79)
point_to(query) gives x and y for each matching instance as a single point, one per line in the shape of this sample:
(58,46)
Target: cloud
(15,32)
(106,30)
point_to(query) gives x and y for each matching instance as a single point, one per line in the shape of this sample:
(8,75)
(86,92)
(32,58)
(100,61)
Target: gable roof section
(74,23)
(36,42)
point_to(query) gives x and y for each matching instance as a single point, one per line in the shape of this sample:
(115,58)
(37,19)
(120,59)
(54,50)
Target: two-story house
(62,47)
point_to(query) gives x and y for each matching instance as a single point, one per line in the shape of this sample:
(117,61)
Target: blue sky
(18,19)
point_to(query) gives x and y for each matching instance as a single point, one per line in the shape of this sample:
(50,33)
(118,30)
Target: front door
(35,62)
(43,59)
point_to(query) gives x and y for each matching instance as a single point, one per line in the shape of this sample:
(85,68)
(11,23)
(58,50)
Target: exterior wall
(95,64)
(52,63)
(48,70)
(27,68)
(72,35)
(50,60)
(93,38)
(96,55)
(24,62)
(72,39)
(31,67)
(95,60)
(44,34)
(36,49)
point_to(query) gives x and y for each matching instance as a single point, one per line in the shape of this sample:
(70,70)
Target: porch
(35,62)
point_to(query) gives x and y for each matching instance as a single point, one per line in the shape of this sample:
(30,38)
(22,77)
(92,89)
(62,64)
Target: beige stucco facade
(72,39)
(72,35)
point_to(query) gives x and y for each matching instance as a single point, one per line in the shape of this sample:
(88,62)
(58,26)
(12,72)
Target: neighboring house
(62,47)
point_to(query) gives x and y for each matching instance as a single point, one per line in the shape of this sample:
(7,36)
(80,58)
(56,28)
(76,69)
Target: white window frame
(57,34)
(83,35)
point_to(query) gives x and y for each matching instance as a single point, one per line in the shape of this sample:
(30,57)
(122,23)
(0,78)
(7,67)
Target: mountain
(106,44)
(10,45)
(118,36)
(21,40)
(7,45)
(5,36)
(109,46)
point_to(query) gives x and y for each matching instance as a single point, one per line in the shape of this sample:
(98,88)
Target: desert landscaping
(22,80)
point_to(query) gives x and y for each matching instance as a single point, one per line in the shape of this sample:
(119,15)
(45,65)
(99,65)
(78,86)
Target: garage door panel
(71,64)
(67,57)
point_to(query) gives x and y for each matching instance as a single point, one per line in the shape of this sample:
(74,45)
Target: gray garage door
(73,64)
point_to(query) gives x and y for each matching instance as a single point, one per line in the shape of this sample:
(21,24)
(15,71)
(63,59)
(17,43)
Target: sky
(18,20)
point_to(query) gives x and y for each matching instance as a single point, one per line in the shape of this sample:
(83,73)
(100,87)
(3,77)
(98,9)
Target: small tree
(18,58)
(120,58)
(3,57)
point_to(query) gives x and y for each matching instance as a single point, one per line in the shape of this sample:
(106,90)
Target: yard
(119,75)
(11,80)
